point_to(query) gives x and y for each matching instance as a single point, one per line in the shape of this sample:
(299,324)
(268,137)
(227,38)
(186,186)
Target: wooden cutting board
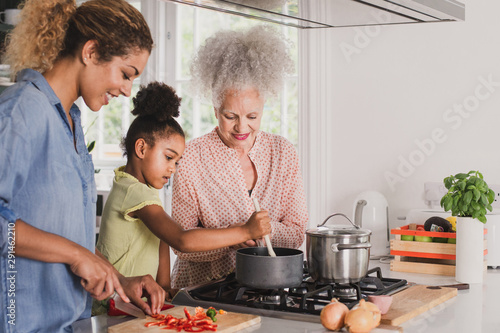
(228,323)
(415,300)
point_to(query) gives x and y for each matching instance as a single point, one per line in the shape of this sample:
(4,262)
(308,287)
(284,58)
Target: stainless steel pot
(337,254)
(256,269)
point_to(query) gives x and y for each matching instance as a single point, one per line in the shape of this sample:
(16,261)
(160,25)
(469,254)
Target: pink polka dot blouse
(209,192)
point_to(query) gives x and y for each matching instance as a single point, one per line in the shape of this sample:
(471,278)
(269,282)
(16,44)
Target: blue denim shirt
(45,182)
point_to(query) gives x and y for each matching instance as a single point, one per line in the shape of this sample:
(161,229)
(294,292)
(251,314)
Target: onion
(377,314)
(332,315)
(362,318)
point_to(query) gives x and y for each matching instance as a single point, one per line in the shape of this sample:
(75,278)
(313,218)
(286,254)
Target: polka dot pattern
(209,191)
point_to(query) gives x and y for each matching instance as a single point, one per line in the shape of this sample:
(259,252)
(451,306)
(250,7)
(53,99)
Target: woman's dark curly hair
(155,105)
(53,29)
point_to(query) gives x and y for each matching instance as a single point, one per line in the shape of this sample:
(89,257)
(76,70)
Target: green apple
(423,239)
(440,240)
(452,240)
(406,237)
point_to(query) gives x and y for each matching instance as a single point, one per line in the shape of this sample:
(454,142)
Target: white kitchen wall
(388,108)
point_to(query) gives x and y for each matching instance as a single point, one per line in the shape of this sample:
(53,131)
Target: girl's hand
(258,225)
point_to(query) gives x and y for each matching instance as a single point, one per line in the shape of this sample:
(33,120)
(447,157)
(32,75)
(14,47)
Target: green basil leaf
(477,195)
(462,185)
(448,182)
(491,195)
(448,202)
(468,197)
(483,211)
(484,200)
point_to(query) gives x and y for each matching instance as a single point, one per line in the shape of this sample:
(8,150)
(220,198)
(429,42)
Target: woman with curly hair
(135,230)
(222,171)
(59,52)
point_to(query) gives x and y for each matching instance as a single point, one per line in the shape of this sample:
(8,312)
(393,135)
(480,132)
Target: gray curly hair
(258,58)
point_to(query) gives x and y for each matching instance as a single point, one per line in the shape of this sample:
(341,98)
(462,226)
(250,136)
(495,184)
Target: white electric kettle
(371,212)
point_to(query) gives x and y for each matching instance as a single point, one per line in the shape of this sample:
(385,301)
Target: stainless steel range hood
(307,14)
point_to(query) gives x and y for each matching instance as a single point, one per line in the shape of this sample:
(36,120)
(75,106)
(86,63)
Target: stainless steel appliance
(338,254)
(303,303)
(307,14)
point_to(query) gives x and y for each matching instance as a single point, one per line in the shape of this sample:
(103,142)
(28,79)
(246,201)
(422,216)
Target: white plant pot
(470,250)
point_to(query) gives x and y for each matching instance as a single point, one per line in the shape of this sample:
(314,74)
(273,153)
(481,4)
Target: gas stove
(302,303)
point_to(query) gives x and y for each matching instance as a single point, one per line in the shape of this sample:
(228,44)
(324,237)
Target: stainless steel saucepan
(338,254)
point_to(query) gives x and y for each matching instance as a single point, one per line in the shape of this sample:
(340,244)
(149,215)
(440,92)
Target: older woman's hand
(258,225)
(248,243)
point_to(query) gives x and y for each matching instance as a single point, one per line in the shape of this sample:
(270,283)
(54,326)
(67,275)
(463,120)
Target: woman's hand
(248,243)
(258,225)
(137,287)
(99,277)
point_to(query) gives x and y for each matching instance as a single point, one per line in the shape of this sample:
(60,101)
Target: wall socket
(434,191)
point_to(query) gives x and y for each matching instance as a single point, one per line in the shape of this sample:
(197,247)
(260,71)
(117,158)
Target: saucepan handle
(338,214)
(338,247)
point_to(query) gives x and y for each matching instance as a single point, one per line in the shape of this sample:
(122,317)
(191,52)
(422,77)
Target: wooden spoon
(266,237)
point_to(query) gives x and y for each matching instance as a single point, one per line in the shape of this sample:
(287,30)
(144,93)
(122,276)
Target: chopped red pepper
(197,323)
(188,315)
(203,322)
(210,327)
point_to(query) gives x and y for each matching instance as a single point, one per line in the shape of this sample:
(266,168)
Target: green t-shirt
(126,241)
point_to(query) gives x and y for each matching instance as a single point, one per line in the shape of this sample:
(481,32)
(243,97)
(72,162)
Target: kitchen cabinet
(473,310)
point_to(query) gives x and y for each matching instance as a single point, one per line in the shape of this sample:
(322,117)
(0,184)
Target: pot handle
(338,247)
(320,225)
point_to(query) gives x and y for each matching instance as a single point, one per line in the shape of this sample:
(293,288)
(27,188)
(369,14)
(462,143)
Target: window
(174,47)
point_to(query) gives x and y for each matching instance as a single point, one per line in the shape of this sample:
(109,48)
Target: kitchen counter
(473,310)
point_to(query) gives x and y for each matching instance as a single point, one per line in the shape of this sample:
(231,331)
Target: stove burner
(298,290)
(345,292)
(304,302)
(275,300)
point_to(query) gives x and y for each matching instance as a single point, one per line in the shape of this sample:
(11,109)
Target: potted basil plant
(469,198)
(468,195)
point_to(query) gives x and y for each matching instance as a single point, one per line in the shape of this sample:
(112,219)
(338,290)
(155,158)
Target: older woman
(222,171)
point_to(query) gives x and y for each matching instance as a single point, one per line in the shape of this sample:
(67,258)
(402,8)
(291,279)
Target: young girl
(136,232)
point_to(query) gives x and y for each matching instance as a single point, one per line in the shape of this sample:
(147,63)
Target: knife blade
(128,308)
(459,286)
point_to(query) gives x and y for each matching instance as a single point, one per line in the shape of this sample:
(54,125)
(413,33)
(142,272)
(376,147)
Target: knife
(128,308)
(459,286)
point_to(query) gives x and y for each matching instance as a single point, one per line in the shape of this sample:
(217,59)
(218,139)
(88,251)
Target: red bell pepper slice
(169,327)
(188,315)
(194,329)
(210,327)
(152,323)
